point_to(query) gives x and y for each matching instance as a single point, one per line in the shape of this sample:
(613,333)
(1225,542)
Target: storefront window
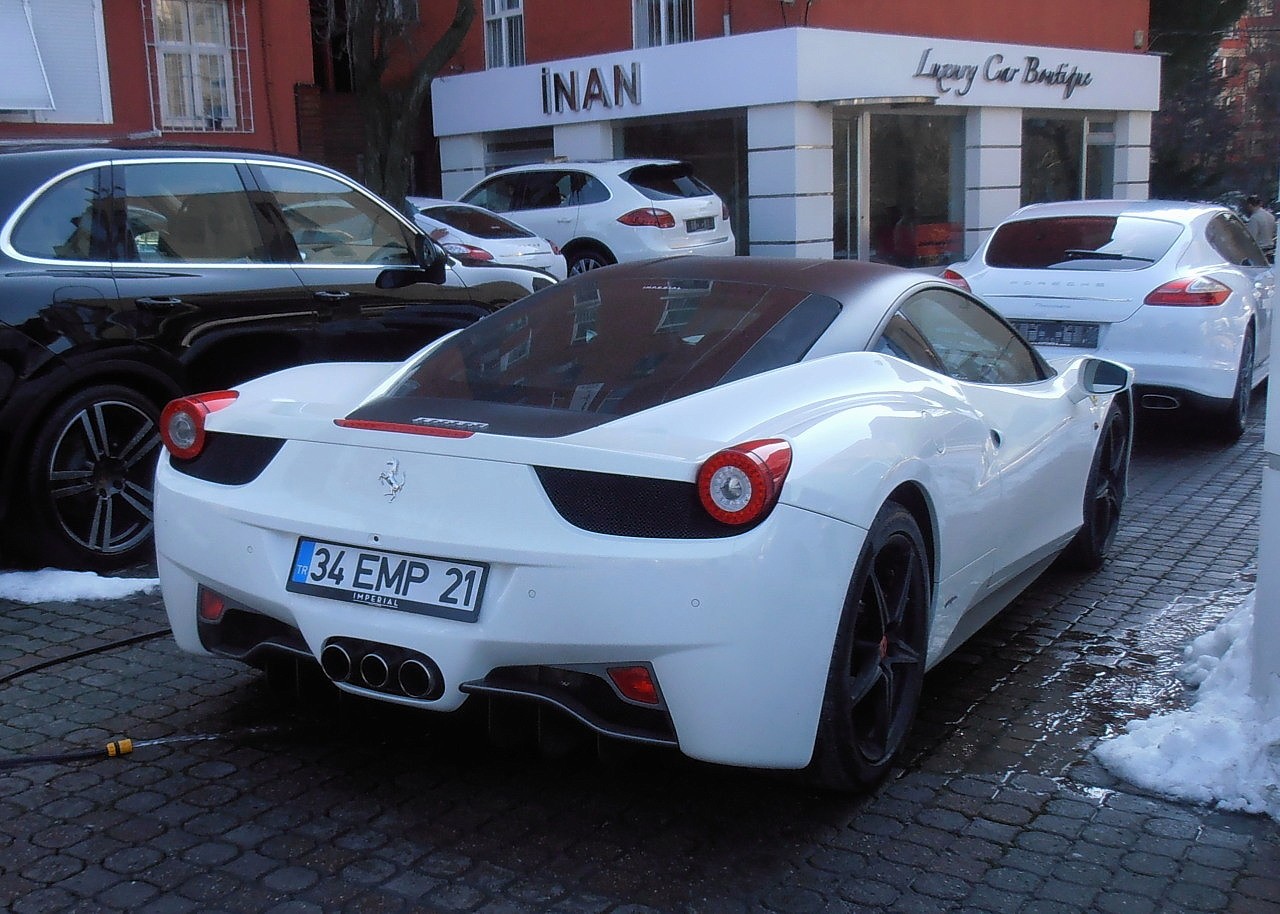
(716,148)
(844,183)
(1067,158)
(916,189)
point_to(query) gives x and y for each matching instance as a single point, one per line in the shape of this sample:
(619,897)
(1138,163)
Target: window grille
(659,22)
(504,33)
(198,65)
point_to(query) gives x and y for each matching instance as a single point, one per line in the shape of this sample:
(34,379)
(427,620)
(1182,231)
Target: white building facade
(829,143)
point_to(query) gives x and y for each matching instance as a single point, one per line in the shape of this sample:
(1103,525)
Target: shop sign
(960,77)
(572,91)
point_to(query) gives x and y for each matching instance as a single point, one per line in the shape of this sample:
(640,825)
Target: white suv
(600,213)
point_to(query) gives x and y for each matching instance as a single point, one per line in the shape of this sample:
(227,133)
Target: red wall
(556,29)
(279,51)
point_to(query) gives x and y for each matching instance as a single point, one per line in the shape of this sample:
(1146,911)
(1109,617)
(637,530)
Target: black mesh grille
(630,505)
(231,460)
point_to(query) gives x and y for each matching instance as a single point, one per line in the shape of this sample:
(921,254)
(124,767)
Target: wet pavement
(239,797)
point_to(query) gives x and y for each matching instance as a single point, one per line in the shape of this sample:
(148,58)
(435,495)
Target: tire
(89,477)
(1232,422)
(588,257)
(1104,495)
(878,660)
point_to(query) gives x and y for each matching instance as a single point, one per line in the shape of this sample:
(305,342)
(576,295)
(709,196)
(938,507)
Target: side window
(547,190)
(1228,236)
(496,194)
(902,339)
(333,223)
(190,212)
(67,221)
(971,343)
(587,189)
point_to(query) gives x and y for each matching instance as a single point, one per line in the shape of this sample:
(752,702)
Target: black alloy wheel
(877,666)
(588,257)
(1103,496)
(90,480)
(1234,420)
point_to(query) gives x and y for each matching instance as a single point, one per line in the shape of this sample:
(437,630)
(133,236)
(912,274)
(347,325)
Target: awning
(25,86)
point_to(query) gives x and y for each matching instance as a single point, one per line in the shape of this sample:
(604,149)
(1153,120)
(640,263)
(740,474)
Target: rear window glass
(616,347)
(1082,243)
(476,222)
(666,182)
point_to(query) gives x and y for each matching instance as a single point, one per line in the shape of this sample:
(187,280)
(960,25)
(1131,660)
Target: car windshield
(587,351)
(476,222)
(670,181)
(1082,243)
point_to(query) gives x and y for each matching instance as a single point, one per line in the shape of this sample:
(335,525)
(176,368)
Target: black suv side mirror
(431,260)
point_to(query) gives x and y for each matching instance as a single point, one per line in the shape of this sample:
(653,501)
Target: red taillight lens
(555,248)
(182,421)
(724,211)
(635,683)
(956,279)
(210,605)
(467,252)
(1190,292)
(657,218)
(740,485)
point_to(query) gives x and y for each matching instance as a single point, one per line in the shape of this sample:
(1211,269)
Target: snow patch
(1225,749)
(53,585)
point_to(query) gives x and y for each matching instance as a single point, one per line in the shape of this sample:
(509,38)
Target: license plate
(1078,335)
(700,225)
(392,580)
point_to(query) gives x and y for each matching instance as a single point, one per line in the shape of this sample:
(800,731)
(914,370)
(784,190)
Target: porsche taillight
(182,421)
(956,279)
(649,215)
(1190,292)
(468,253)
(741,484)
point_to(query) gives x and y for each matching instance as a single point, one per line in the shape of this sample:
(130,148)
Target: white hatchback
(600,213)
(1178,291)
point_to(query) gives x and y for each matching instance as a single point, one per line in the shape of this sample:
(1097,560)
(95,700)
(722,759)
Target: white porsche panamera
(732,506)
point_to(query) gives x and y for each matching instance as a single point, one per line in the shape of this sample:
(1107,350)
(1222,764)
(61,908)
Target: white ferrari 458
(732,506)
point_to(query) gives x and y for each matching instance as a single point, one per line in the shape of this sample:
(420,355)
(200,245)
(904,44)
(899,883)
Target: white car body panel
(1196,349)
(742,653)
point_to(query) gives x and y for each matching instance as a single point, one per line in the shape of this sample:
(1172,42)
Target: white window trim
(238,118)
(667,25)
(497,11)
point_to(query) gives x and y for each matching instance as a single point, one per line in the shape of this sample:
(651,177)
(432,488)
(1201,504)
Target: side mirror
(1100,376)
(432,258)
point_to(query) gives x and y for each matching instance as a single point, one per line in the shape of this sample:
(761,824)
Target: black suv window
(192,212)
(67,221)
(970,342)
(666,182)
(1228,236)
(1081,243)
(334,223)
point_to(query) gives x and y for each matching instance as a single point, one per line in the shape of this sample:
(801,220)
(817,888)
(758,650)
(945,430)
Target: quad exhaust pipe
(381,668)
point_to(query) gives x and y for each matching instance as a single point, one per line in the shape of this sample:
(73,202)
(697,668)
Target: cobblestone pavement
(240,799)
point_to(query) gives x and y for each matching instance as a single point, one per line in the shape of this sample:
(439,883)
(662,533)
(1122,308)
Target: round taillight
(740,485)
(182,421)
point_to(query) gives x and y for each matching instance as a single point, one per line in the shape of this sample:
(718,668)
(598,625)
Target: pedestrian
(1262,225)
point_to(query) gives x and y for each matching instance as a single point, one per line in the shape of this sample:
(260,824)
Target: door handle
(156,305)
(329,295)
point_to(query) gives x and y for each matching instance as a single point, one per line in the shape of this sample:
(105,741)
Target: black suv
(133,276)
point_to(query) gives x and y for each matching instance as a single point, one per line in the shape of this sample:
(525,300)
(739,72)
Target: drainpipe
(1266,606)
(728,17)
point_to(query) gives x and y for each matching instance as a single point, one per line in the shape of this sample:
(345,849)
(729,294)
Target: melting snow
(1224,750)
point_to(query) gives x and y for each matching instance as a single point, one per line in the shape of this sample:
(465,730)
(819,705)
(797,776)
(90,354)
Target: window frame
(675,25)
(236,98)
(501,18)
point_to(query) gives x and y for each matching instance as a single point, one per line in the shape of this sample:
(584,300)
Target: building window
(1067,158)
(201,75)
(504,33)
(660,22)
